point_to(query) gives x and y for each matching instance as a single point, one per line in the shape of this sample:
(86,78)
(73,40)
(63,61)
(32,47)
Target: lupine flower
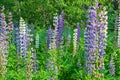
(49,38)
(91,41)
(102,37)
(34,60)
(10,24)
(30,57)
(50,67)
(15,28)
(31,64)
(118,25)
(17,39)
(115,31)
(62,44)
(37,43)
(76,38)
(60,28)
(53,41)
(3,44)
(74,42)
(55,32)
(17,43)
(112,67)
(78,32)
(23,40)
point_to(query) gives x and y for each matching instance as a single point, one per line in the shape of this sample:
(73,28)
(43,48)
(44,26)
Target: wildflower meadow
(59,40)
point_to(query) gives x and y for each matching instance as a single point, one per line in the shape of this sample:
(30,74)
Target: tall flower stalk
(52,45)
(49,38)
(76,39)
(25,48)
(75,42)
(60,29)
(112,66)
(34,62)
(3,44)
(102,39)
(118,25)
(10,26)
(23,38)
(55,32)
(17,43)
(37,42)
(95,41)
(90,41)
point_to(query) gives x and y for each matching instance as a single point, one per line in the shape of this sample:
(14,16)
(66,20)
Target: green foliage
(40,12)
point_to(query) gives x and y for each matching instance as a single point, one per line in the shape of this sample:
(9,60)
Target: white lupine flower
(74,42)
(103,26)
(22,26)
(118,25)
(55,24)
(37,41)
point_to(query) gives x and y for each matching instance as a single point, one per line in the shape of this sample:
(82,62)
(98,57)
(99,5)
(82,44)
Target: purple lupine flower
(17,39)
(23,36)
(60,28)
(49,38)
(53,40)
(31,60)
(15,25)
(30,55)
(3,43)
(91,41)
(17,42)
(78,32)
(112,66)
(34,61)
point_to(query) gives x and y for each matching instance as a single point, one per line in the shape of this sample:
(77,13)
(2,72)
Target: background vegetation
(40,12)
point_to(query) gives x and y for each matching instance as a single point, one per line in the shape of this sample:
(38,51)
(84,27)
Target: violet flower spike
(49,38)
(78,32)
(90,41)
(3,43)
(112,67)
(22,37)
(60,28)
